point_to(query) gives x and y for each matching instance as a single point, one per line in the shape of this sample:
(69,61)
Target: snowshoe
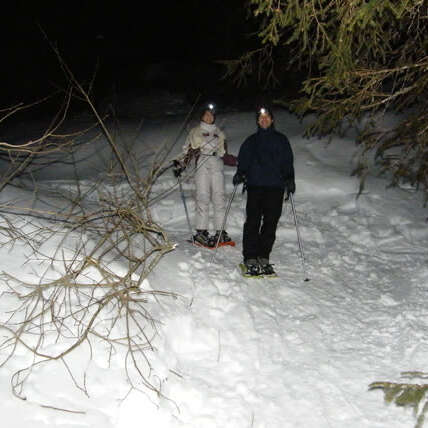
(212,247)
(202,238)
(222,238)
(251,269)
(267,268)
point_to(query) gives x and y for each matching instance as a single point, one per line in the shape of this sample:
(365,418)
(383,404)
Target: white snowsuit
(209,178)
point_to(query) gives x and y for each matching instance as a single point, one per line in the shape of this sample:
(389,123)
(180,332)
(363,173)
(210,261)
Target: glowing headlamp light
(211,107)
(262,111)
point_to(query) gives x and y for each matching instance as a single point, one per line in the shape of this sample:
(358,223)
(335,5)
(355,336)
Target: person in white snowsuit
(206,145)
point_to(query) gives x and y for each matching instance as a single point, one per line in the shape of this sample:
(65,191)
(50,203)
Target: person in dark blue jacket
(265,166)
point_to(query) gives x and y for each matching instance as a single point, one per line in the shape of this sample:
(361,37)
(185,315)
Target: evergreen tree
(411,395)
(362,58)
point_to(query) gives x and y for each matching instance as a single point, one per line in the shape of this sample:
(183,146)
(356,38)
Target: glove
(238,178)
(230,160)
(290,187)
(178,168)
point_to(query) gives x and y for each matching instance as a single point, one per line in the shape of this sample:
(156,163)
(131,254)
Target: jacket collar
(265,131)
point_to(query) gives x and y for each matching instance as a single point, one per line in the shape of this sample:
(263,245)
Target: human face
(265,120)
(208,117)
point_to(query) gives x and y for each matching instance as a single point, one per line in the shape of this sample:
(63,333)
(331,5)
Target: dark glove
(230,160)
(238,178)
(290,187)
(178,168)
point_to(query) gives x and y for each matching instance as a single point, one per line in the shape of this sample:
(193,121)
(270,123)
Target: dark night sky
(123,37)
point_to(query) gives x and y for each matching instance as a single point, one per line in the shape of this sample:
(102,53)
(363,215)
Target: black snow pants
(264,208)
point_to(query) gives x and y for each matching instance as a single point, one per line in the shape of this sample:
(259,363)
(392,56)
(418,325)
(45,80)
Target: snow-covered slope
(265,353)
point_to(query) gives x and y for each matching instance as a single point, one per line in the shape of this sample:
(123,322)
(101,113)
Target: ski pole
(302,256)
(164,169)
(226,214)
(167,167)
(185,208)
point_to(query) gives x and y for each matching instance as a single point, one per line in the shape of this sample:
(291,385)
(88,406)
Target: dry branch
(78,299)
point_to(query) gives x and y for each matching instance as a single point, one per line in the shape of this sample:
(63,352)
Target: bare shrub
(91,288)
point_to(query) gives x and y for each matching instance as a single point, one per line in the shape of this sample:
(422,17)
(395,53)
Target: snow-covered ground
(232,352)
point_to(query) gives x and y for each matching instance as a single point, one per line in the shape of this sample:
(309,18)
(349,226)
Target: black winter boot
(224,237)
(202,237)
(253,267)
(266,268)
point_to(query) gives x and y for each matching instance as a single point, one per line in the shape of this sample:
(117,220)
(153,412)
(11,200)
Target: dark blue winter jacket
(266,159)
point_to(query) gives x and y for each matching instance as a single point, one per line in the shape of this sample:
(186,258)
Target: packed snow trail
(309,349)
